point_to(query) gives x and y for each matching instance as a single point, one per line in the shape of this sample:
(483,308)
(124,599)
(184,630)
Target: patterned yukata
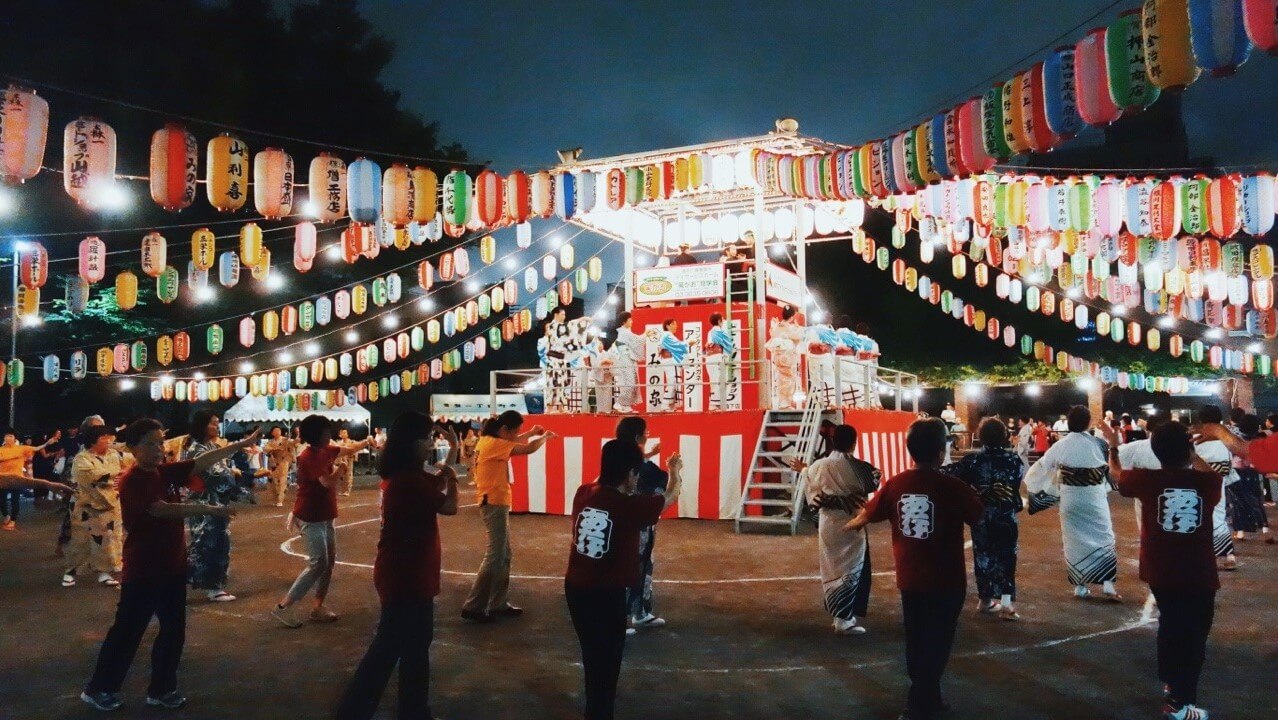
(558,375)
(671,352)
(822,339)
(280,452)
(995,474)
(719,351)
(652,481)
(838,485)
(1216,454)
(627,351)
(783,350)
(209,550)
(97,530)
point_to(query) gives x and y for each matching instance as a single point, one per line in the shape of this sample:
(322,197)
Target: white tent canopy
(253,408)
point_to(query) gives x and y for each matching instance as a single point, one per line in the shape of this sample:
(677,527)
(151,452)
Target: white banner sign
(680,282)
(782,285)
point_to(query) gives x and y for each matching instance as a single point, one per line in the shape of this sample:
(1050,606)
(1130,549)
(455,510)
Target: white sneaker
(287,616)
(848,627)
(648,621)
(220,596)
(106,579)
(1185,712)
(68,580)
(630,632)
(1081,592)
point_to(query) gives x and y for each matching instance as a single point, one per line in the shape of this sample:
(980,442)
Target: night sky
(514,81)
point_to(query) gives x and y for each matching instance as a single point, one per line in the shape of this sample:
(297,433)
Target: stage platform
(717,449)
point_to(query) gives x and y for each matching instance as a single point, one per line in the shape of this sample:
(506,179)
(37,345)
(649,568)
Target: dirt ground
(747,636)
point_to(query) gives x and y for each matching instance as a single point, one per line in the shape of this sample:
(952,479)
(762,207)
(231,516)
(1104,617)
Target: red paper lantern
(1091,79)
(518,197)
(174,167)
(489,192)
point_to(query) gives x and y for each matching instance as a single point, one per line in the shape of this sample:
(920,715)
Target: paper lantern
(398,197)
(1193,204)
(1218,35)
(126,290)
(461,262)
(213,339)
(1060,93)
(174,167)
(88,160)
(24,129)
(77,295)
(34,266)
(992,123)
(154,254)
(228,269)
(542,191)
(270,324)
(250,244)
(489,198)
(1013,110)
(92,259)
(358,300)
(273,183)
(363,191)
(1223,201)
(227,172)
(565,193)
(167,284)
(327,187)
(1169,59)
(262,270)
(457,192)
(1129,86)
(1260,18)
(1257,204)
(1095,105)
(248,332)
(304,246)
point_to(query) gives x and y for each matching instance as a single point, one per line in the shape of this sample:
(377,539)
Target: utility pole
(13,333)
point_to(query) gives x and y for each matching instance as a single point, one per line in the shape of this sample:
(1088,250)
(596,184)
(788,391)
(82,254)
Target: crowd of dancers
(157,511)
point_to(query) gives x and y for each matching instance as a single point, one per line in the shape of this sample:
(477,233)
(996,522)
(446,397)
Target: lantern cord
(50,351)
(141,228)
(234,128)
(999,73)
(362,321)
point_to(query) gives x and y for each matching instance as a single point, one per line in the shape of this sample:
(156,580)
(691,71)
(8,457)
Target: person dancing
(671,352)
(603,560)
(96,533)
(209,555)
(154,574)
(415,491)
(839,485)
(1247,495)
(652,481)
(1074,473)
(995,474)
(499,440)
(719,351)
(280,451)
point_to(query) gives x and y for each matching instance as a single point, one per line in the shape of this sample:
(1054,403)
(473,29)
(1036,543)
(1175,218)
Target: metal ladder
(771,487)
(742,320)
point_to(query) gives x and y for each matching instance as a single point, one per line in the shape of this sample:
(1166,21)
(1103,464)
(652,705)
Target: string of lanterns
(1112,71)
(276,384)
(312,313)
(994,329)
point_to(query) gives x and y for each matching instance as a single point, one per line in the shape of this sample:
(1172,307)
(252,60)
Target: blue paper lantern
(586,191)
(894,186)
(52,368)
(1218,35)
(363,191)
(1059,93)
(936,130)
(228,269)
(566,196)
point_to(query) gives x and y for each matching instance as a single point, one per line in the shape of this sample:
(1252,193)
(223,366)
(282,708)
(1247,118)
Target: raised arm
(354,447)
(529,448)
(17,482)
(536,430)
(1236,445)
(57,435)
(1111,437)
(454,450)
(674,466)
(209,459)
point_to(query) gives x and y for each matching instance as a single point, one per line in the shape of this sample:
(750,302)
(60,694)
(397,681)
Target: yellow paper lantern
(126,290)
(359,299)
(270,324)
(1169,54)
(262,270)
(327,187)
(250,244)
(227,172)
(203,249)
(425,195)
(397,195)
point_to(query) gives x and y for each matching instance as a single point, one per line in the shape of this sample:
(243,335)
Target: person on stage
(603,560)
(927,510)
(598,361)
(1176,556)
(558,377)
(280,451)
(97,535)
(628,352)
(995,474)
(155,560)
(821,341)
(784,351)
(415,491)
(839,485)
(1216,454)
(1075,473)
(671,352)
(652,481)
(719,351)
(499,440)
